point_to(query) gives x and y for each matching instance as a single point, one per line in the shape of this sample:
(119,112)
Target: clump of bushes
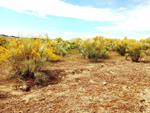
(27,57)
(3,41)
(136,50)
(93,49)
(122,45)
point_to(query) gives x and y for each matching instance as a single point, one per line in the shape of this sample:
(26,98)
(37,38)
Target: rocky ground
(115,85)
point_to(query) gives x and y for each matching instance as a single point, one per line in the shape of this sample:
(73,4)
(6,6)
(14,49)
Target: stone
(24,88)
(104,83)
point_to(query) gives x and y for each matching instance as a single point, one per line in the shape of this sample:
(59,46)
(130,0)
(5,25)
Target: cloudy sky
(76,18)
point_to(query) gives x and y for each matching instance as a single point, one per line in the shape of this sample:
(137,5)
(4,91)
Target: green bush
(92,50)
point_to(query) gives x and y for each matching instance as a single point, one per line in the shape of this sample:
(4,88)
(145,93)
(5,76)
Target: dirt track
(114,85)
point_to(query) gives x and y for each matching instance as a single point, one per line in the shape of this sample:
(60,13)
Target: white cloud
(133,19)
(60,8)
(137,19)
(127,20)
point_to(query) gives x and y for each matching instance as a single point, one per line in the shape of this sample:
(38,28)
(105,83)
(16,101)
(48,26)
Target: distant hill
(7,36)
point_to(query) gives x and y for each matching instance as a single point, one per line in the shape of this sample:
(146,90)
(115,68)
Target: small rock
(42,99)
(104,83)
(2,95)
(24,88)
(102,65)
(143,100)
(28,109)
(73,73)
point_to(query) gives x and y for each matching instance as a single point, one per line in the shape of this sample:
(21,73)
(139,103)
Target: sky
(76,18)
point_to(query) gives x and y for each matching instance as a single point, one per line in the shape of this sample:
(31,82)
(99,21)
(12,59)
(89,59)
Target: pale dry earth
(115,85)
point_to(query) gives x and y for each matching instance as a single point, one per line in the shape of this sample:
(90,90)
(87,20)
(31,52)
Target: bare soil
(115,85)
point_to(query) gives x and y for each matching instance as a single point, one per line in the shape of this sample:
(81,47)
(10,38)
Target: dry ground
(82,89)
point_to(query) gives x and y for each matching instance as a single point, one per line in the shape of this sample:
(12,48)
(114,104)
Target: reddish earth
(114,85)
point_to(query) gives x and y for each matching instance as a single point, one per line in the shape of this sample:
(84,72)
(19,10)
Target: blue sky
(76,18)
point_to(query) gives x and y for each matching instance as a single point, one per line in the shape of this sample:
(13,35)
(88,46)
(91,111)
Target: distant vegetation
(6,36)
(26,57)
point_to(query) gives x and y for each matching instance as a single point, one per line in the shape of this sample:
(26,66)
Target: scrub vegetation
(92,75)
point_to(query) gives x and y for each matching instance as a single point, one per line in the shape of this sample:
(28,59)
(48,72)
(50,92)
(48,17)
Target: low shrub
(136,50)
(26,57)
(93,50)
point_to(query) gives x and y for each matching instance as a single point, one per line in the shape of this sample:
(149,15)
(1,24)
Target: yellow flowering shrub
(61,47)
(122,45)
(136,49)
(50,54)
(3,55)
(94,48)
(3,41)
(26,56)
(145,40)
